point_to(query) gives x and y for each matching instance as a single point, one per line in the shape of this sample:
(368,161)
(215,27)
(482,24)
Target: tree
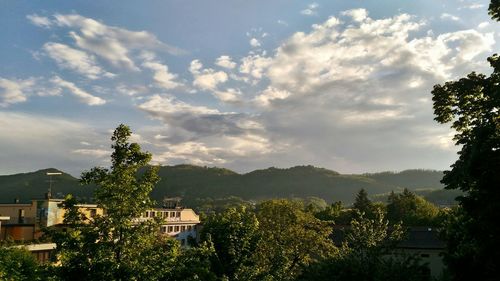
(471,105)
(365,255)
(116,246)
(291,239)
(18,264)
(234,234)
(411,209)
(494,9)
(363,204)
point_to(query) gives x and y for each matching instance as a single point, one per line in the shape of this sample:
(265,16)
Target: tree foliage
(116,246)
(471,105)
(234,234)
(290,240)
(364,255)
(17,264)
(411,209)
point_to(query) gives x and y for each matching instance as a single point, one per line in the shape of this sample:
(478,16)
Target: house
(175,221)
(27,220)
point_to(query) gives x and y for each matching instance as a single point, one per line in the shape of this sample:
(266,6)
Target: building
(27,220)
(177,222)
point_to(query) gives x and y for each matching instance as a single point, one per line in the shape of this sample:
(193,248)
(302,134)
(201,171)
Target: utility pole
(49,193)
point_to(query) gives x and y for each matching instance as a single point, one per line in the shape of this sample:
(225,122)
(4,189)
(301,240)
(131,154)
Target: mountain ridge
(191,182)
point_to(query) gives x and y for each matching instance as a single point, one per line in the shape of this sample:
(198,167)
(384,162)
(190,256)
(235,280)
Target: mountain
(33,185)
(192,182)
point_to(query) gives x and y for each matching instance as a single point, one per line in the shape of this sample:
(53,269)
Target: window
(189,228)
(170,229)
(93,213)
(146,214)
(178,214)
(164,229)
(172,214)
(176,228)
(183,228)
(152,214)
(21,216)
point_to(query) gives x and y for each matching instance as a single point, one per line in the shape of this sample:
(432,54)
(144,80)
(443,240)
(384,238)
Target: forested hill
(191,182)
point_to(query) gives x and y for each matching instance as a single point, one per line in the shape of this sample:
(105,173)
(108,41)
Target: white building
(178,222)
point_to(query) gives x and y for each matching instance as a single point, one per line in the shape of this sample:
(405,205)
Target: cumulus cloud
(208,78)
(230,95)
(270,94)
(226,62)
(76,60)
(254,42)
(80,94)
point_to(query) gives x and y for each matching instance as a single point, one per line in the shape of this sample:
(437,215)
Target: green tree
(291,239)
(363,204)
(116,246)
(367,255)
(411,209)
(234,234)
(17,264)
(471,104)
(494,9)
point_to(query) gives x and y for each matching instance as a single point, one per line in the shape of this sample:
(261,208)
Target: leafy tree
(364,255)
(335,213)
(116,246)
(471,105)
(291,239)
(18,264)
(494,9)
(411,209)
(235,235)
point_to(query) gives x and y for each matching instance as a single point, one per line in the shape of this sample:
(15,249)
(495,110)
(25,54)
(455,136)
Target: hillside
(191,182)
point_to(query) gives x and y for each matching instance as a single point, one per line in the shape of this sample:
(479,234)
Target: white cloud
(98,153)
(111,43)
(254,65)
(473,6)
(482,25)
(311,9)
(162,76)
(254,42)
(80,94)
(229,95)
(76,60)
(446,16)
(39,20)
(357,15)
(206,79)
(14,91)
(226,62)
(270,94)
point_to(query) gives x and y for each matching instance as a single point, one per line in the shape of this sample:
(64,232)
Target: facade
(28,219)
(177,222)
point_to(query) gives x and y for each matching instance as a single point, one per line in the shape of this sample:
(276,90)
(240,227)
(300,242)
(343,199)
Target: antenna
(50,174)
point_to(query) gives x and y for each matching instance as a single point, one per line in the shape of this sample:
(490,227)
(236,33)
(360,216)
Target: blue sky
(239,84)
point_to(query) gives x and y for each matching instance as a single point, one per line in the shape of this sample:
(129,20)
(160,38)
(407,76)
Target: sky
(244,85)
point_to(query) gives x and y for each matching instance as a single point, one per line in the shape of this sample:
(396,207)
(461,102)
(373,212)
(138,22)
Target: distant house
(423,242)
(176,221)
(27,220)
